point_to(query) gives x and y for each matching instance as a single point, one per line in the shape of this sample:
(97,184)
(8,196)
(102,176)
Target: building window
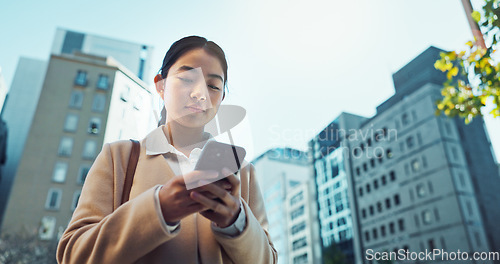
(379,207)
(462,179)
(47,228)
(426,217)
(368,190)
(82,174)
(71,123)
(405,119)
(367,236)
(469,207)
(391,228)
(60,170)
(298,227)
(415,165)
(361,192)
(76,197)
(99,102)
(65,146)
(297,212)
(436,214)
(299,243)
(339,207)
(81,78)
(302,259)
(297,198)
(382,230)
(401,224)
(371,209)
(375,233)
(365,167)
(388,203)
(392,175)
(76,99)
(89,149)
(53,199)
(375,184)
(410,142)
(396,199)
(103,82)
(420,190)
(372,163)
(94,125)
(454,153)
(363,213)
(389,153)
(431,244)
(384,180)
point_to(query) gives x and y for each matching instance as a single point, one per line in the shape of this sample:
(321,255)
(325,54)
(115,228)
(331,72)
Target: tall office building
(328,159)
(420,181)
(85,101)
(18,112)
(302,224)
(134,56)
(279,170)
(25,90)
(3,90)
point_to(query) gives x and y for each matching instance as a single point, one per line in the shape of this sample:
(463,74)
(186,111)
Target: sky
(293,65)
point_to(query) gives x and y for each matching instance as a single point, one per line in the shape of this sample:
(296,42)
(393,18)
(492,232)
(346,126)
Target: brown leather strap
(132,164)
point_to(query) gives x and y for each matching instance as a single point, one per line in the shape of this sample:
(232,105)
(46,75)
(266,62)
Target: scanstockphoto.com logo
(429,255)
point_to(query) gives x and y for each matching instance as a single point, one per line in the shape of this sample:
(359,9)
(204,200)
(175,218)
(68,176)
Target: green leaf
(476,16)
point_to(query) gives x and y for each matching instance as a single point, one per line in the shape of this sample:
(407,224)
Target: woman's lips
(195,109)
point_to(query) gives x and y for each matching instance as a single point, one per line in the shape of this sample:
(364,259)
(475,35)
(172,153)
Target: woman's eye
(185,79)
(214,87)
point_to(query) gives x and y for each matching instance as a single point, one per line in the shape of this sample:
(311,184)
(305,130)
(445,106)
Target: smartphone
(217,155)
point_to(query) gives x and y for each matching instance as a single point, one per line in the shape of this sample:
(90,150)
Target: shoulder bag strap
(132,164)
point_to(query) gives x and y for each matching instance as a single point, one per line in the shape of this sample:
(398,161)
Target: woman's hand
(224,210)
(175,199)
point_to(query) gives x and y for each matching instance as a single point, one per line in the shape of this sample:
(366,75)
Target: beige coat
(101,231)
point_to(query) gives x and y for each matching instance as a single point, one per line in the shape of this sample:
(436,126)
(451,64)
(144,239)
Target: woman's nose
(200,92)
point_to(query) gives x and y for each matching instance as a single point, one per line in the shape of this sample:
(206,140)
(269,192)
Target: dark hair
(182,46)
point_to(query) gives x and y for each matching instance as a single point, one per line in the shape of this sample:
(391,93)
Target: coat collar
(157,143)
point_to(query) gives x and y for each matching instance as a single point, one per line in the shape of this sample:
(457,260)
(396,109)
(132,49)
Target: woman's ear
(160,84)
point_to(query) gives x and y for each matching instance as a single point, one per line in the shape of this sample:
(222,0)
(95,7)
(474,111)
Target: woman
(164,222)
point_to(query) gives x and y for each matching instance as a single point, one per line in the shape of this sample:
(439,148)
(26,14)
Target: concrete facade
(74,117)
(414,184)
(303,229)
(279,171)
(330,170)
(135,57)
(18,112)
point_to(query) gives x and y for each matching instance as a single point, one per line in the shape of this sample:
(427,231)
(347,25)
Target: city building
(18,112)
(3,90)
(328,159)
(23,96)
(302,224)
(135,57)
(420,181)
(279,171)
(85,101)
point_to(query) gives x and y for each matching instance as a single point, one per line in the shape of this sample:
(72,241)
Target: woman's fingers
(233,181)
(211,204)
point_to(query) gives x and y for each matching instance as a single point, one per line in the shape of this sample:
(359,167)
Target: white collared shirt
(157,144)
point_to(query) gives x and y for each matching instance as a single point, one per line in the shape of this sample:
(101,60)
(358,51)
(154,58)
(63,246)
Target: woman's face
(193,89)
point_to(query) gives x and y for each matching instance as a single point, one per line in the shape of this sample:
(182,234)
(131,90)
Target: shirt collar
(157,143)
